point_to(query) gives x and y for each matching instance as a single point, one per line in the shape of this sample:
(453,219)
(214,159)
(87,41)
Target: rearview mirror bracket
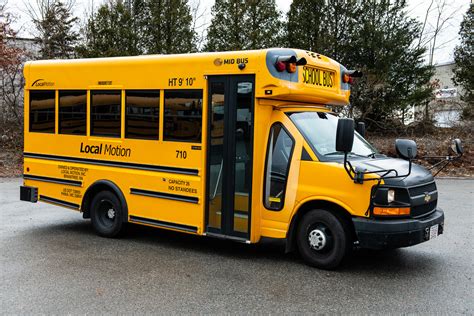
(456,147)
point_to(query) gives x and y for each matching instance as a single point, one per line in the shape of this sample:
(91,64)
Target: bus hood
(417,176)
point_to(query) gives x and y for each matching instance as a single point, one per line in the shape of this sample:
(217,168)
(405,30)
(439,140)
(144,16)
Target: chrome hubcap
(317,239)
(111,213)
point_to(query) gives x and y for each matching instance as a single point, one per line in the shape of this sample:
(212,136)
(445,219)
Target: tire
(107,214)
(323,239)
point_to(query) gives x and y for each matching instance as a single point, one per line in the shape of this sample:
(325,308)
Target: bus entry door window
(230,137)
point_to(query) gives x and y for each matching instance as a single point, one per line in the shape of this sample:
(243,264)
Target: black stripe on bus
(58,202)
(163,224)
(115,164)
(163,195)
(52,180)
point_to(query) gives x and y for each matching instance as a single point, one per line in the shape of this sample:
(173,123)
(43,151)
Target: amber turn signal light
(391,211)
(347,79)
(291,67)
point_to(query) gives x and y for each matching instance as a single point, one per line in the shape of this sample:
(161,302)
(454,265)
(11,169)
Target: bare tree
(437,19)
(425,21)
(55,27)
(12,59)
(199,24)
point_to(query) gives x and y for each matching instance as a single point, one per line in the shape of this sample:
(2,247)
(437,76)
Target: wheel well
(98,186)
(337,210)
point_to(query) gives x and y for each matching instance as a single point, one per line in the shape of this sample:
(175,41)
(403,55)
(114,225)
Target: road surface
(52,262)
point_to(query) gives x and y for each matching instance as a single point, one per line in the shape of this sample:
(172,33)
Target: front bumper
(396,233)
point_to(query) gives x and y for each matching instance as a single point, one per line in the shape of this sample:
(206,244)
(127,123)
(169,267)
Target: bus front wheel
(107,214)
(322,239)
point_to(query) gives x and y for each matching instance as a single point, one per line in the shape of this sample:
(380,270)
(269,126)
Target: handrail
(218,178)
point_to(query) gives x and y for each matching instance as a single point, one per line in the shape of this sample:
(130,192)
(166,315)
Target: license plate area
(433,232)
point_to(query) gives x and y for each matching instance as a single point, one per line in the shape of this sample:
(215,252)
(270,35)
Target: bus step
(234,238)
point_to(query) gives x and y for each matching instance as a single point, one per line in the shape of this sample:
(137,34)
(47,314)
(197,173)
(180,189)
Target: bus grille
(426,208)
(421,210)
(416,191)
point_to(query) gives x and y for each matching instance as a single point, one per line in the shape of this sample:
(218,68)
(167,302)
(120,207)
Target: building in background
(30,45)
(446,106)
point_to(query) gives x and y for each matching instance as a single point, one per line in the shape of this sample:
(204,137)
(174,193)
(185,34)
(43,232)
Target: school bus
(237,145)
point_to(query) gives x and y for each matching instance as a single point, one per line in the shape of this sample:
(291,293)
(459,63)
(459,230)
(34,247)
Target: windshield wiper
(334,153)
(357,155)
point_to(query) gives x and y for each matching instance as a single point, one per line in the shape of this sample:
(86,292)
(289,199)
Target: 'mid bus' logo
(42,83)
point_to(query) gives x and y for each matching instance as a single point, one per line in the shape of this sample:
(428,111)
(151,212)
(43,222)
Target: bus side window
(183,116)
(105,113)
(42,111)
(279,152)
(72,112)
(142,112)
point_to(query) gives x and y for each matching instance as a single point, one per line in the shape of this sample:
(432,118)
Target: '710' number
(182,154)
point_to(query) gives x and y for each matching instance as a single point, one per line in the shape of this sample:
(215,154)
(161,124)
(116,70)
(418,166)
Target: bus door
(229,155)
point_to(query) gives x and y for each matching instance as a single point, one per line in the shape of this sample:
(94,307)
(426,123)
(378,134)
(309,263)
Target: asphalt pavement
(51,262)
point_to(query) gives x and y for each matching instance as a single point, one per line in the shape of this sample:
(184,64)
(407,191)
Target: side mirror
(406,148)
(345,135)
(361,129)
(457,146)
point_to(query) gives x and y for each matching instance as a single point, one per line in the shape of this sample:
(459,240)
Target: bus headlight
(391,202)
(390,196)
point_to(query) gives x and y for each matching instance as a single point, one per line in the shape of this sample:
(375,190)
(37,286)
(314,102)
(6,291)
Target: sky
(447,40)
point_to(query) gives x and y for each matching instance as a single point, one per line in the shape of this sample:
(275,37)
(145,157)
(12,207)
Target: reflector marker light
(280,66)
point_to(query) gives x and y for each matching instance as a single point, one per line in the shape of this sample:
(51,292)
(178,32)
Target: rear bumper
(382,234)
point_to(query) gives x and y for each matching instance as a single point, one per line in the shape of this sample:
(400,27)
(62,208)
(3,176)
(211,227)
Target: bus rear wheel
(322,239)
(107,214)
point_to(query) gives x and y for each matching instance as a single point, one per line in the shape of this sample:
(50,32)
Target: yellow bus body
(154,165)
(154,72)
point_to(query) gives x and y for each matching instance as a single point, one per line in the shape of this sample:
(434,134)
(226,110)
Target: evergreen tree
(111,31)
(373,36)
(244,24)
(305,26)
(139,27)
(322,26)
(265,28)
(396,75)
(169,30)
(226,30)
(55,27)
(464,58)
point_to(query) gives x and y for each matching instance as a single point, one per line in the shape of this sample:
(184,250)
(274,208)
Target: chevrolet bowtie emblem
(427,197)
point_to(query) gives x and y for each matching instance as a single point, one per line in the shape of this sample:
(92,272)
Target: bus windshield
(319,130)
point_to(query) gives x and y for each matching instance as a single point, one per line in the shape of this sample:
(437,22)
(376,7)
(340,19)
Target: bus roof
(317,78)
